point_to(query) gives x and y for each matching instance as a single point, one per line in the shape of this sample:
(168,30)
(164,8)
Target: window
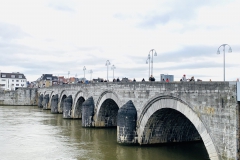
(20,76)
(12,80)
(12,76)
(2,84)
(17,80)
(3,79)
(3,75)
(17,84)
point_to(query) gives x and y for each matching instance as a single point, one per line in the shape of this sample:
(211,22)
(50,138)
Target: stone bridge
(155,112)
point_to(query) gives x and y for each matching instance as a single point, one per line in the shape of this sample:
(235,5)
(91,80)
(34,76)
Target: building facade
(12,81)
(45,80)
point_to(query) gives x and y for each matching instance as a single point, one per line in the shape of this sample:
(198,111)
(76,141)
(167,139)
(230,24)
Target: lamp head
(218,52)
(155,54)
(146,61)
(113,67)
(107,62)
(230,50)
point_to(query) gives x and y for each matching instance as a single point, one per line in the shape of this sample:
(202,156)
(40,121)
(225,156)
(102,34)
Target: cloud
(61,6)
(57,37)
(9,32)
(188,52)
(197,65)
(180,55)
(174,11)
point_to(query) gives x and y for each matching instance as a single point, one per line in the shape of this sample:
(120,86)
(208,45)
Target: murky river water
(30,133)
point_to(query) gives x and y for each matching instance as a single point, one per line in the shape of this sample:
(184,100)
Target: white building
(12,81)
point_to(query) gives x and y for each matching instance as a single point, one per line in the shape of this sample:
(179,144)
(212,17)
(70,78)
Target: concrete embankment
(23,96)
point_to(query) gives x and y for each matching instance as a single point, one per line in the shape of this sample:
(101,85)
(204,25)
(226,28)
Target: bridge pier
(88,113)
(54,104)
(126,124)
(67,107)
(40,99)
(45,101)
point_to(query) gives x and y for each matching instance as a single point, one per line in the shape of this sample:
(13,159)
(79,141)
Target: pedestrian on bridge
(184,79)
(151,78)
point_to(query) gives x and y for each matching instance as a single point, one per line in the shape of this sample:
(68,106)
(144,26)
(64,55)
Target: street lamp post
(68,76)
(113,67)
(218,52)
(90,74)
(155,54)
(107,64)
(148,61)
(84,69)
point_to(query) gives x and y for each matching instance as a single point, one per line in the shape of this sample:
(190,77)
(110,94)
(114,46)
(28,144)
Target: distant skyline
(56,36)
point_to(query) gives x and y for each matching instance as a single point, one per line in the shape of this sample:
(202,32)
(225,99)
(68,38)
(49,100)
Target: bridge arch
(172,111)
(107,108)
(50,99)
(77,104)
(63,95)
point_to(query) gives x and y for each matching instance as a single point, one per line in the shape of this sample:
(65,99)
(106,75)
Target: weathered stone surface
(19,97)
(40,100)
(45,101)
(168,126)
(61,103)
(54,104)
(67,107)
(107,115)
(126,124)
(88,113)
(78,108)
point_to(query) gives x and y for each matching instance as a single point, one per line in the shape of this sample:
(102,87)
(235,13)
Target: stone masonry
(166,112)
(22,96)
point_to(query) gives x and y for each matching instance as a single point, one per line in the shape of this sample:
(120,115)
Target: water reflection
(32,133)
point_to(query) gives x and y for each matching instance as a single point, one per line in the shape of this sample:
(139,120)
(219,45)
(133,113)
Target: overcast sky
(56,36)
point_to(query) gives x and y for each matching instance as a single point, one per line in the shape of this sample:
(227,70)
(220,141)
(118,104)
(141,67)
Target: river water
(30,133)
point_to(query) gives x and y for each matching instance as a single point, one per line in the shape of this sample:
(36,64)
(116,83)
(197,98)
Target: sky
(62,36)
